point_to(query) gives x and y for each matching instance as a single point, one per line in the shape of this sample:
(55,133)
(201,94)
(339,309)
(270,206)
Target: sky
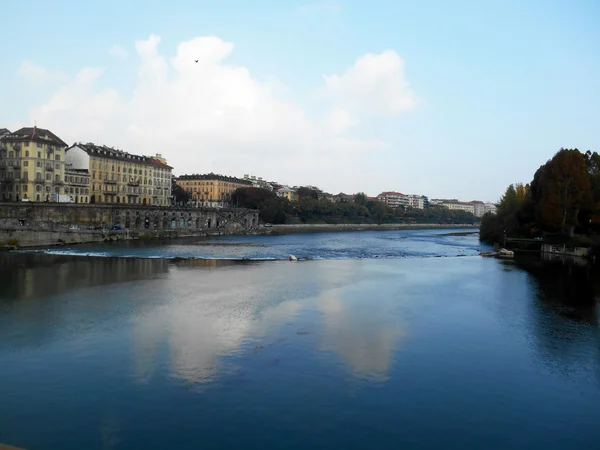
(445,99)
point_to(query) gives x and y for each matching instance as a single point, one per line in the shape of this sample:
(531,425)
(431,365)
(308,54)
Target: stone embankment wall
(42,224)
(317,228)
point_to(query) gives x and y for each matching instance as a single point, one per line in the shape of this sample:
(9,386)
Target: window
(39,153)
(25,163)
(38,164)
(57,166)
(24,188)
(27,145)
(11,154)
(39,146)
(57,157)
(48,177)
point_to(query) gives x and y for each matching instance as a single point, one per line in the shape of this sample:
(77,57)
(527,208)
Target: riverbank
(24,237)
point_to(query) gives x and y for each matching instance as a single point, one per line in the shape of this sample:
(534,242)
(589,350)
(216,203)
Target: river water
(384,340)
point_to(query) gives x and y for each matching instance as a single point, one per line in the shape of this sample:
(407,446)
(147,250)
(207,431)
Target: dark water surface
(340,353)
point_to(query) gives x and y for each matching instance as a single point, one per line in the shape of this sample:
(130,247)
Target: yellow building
(289,193)
(32,165)
(211,189)
(116,176)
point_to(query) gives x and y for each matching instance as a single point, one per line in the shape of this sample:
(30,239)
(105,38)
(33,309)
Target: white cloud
(37,75)
(214,116)
(375,84)
(118,52)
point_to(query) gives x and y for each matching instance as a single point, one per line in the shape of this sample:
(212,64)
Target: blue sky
(497,87)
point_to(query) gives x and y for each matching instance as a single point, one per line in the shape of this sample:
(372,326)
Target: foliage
(178,193)
(563,196)
(310,209)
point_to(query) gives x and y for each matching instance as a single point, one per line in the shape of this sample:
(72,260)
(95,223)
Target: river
(382,340)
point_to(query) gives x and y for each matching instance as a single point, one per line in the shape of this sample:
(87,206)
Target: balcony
(50,168)
(110,181)
(38,181)
(58,182)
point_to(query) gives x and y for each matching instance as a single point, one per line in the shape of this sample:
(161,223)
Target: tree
(564,190)
(305,192)
(381,211)
(180,195)
(360,198)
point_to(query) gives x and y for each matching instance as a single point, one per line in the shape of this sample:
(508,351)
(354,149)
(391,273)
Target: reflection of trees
(564,317)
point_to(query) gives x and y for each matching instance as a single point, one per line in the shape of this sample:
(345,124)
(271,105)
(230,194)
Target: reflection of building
(120,177)
(31,165)
(211,189)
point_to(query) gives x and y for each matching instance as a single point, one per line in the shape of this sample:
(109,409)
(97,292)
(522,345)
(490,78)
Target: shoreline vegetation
(309,208)
(560,206)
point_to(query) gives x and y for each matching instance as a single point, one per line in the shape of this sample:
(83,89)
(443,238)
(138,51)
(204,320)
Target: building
(258,182)
(490,208)
(211,189)
(459,206)
(32,165)
(287,192)
(117,176)
(77,185)
(343,198)
(4,131)
(393,199)
(162,180)
(478,208)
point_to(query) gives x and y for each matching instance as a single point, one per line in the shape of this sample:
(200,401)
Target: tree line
(563,199)
(309,208)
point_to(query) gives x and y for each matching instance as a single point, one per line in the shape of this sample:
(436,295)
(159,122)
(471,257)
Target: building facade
(478,208)
(490,208)
(32,165)
(77,185)
(459,206)
(211,190)
(163,173)
(287,192)
(120,177)
(393,199)
(258,182)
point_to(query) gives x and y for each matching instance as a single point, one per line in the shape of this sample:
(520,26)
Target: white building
(490,208)
(393,199)
(478,208)
(258,182)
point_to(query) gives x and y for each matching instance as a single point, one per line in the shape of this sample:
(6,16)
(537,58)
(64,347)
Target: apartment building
(287,192)
(258,182)
(211,189)
(490,207)
(32,165)
(163,174)
(77,185)
(393,199)
(459,206)
(478,208)
(119,177)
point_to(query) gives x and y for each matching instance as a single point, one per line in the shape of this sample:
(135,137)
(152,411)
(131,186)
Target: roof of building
(213,176)
(388,193)
(476,201)
(158,163)
(34,134)
(109,152)
(4,131)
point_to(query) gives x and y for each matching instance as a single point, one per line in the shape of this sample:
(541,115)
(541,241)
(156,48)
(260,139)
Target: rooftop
(109,152)
(388,193)
(213,176)
(34,134)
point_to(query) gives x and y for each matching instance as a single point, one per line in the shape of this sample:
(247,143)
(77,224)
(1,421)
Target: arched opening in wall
(77,199)
(47,197)
(37,198)
(144,202)
(218,223)
(165,223)
(147,222)
(198,222)
(138,222)
(24,196)
(86,200)
(245,222)
(127,220)
(118,199)
(208,223)
(93,199)
(155,223)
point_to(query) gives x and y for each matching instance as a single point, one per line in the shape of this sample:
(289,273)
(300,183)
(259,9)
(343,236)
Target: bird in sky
(195,60)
